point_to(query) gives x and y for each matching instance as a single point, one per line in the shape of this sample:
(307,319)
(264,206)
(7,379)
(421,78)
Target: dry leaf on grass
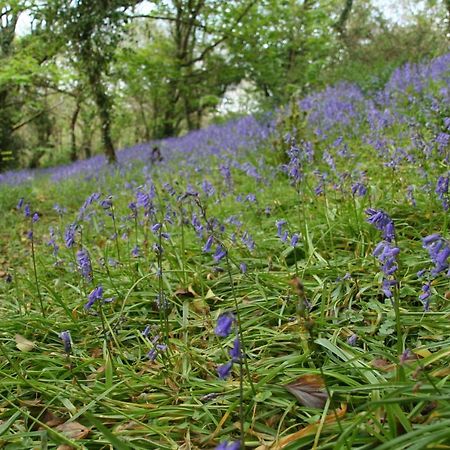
(309,390)
(73,430)
(23,344)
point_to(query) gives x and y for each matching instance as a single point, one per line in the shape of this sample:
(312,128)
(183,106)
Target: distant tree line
(93,76)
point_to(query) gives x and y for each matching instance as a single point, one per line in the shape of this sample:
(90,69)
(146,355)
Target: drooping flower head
(67,340)
(224,324)
(96,294)
(382,222)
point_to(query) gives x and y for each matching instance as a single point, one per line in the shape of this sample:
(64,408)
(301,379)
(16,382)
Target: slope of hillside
(282,284)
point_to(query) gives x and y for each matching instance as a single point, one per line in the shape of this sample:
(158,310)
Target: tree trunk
(73,137)
(341,23)
(103,103)
(447,5)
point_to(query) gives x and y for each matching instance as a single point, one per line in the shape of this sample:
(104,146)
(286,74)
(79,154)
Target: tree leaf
(23,344)
(73,430)
(309,390)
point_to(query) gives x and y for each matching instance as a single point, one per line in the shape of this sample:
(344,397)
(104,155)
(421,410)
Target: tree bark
(73,137)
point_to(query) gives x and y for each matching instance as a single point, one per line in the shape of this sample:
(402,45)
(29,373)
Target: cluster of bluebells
(283,234)
(224,328)
(298,156)
(27,213)
(442,192)
(439,250)
(386,251)
(84,264)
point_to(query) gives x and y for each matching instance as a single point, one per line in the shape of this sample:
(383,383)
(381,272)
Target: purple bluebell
(220,253)
(243,267)
(352,339)
(155,228)
(279,224)
(225,369)
(294,240)
(425,296)
(235,351)
(96,294)
(157,348)
(225,445)
(439,251)
(84,264)
(382,222)
(248,241)
(441,190)
(20,203)
(359,189)
(387,286)
(135,252)
(208,244)
(69,235)
(27,210)
(224,324)
(67,340)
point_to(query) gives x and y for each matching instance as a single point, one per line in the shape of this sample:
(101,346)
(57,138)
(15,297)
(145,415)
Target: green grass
(108,385)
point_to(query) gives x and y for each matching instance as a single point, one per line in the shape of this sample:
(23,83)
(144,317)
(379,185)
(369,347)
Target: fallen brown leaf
(73,430)
(309,390)
(23,344)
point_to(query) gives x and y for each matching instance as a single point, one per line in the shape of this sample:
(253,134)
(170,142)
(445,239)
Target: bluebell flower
(95,295)
(235,351)
(224,324)
(294,240)
(20,203)
(220,253)
(84,264)
(67,340)
(156,227)
(225,445)
(351,340)
(243,267)
(208,244)
(27,210)
(69,235)
(225,369)
(279,224)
